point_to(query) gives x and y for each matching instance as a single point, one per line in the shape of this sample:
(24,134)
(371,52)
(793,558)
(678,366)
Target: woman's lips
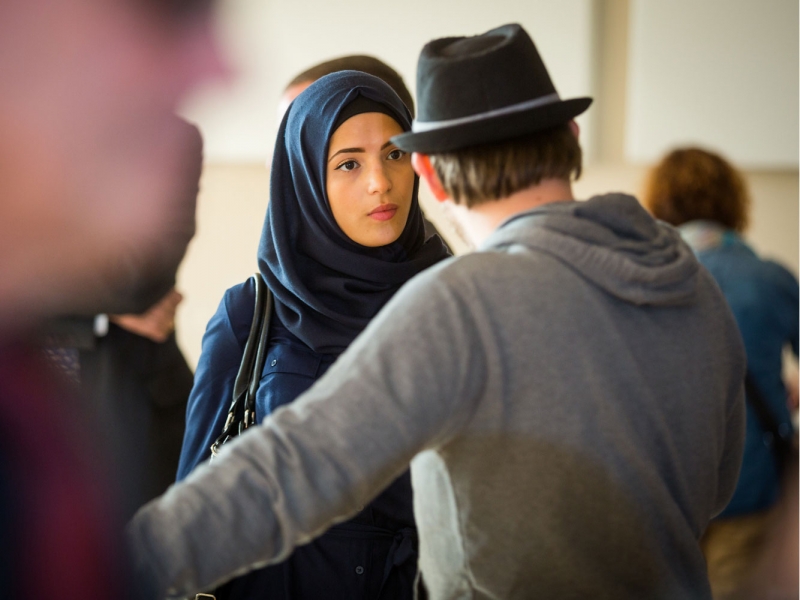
(384,212)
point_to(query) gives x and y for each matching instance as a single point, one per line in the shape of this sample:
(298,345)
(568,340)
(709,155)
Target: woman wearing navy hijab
(343,232)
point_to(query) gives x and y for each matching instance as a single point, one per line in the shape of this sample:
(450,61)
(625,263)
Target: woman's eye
(347,165)
(396,154)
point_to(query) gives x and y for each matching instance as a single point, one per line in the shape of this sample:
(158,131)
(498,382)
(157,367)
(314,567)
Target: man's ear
(576,131)
(422,165)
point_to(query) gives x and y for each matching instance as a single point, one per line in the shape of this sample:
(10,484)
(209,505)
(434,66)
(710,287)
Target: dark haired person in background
(354,62)
(706,198)
(571,394)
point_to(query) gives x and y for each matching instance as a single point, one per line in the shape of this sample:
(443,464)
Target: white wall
(719,73)
(269,42)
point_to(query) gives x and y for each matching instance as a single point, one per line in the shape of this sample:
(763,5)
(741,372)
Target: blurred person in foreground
(707,199)
(90,150)
(129,368)
(571,394)
(91,163)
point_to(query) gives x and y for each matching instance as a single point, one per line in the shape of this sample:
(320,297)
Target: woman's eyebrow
(347,151)
(355,150)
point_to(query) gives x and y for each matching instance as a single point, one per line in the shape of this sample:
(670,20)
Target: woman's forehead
(368,128)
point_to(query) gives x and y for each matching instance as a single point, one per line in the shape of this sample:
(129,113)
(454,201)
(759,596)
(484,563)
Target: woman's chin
(379,238)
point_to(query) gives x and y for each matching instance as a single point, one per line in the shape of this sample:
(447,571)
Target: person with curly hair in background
(707,199)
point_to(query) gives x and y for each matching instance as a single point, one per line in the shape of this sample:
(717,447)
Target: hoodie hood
(613,242)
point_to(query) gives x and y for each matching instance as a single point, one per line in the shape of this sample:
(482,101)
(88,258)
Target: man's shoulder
(468,270)
(486,278)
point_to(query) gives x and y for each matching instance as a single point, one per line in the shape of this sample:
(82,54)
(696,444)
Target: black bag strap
(242,412)
(782,443)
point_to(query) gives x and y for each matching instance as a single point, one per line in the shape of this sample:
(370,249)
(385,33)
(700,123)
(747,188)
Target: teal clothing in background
(763,297)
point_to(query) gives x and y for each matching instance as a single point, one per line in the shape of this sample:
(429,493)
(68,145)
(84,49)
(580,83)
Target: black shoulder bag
(242,413)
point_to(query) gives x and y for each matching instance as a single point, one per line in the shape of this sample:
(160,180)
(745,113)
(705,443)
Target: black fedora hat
(481,89)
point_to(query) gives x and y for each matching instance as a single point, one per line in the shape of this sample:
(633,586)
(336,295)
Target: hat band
(422,126)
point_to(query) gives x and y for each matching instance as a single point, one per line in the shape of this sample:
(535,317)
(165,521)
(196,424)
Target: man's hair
(359,62)
(691,183)
(497,170)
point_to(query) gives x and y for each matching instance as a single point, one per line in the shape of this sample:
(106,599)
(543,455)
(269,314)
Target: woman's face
(370,180)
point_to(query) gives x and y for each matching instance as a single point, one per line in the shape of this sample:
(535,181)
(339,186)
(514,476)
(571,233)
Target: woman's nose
(379,180)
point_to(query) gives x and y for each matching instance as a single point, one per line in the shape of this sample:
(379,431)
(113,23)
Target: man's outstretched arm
(406,384)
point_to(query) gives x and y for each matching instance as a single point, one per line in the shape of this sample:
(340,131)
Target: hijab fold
(326,286)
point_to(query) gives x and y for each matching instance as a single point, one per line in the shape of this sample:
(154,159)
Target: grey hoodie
(571,398)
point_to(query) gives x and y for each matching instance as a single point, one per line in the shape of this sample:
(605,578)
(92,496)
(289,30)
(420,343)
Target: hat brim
(492,129)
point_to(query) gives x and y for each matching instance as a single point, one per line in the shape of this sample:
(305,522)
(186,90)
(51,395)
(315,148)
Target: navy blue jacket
(376,550)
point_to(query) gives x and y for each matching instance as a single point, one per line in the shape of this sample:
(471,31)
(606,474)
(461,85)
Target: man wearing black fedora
(569,396)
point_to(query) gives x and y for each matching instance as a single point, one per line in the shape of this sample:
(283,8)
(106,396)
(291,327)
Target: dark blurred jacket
(138,389)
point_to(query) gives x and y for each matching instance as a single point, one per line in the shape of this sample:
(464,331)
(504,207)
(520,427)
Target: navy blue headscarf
(326,286)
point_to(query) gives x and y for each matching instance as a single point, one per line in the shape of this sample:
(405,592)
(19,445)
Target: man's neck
(480,221)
